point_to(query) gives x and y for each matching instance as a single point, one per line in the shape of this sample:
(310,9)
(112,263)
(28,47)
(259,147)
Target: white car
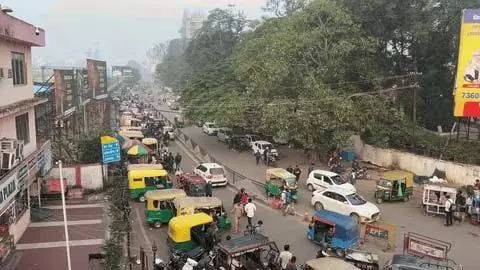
(169,130)
(320,179)
(210,128)
(345,202)
(260,146)
(251,138)
(212,172)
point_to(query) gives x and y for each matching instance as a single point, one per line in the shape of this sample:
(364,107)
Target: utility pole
(126,218)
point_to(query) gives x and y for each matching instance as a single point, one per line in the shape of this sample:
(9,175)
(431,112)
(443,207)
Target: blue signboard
(110,150)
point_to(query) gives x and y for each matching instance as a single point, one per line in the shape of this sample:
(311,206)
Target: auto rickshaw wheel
(157,224)
(318,206)
(406,198)
(142,198)
(379,200)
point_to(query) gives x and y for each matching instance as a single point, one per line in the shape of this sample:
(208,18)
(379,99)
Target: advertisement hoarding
(97,79)
(64,91)
(122,71)
(467,83)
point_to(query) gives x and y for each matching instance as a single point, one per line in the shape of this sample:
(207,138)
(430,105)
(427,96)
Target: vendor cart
(434,197)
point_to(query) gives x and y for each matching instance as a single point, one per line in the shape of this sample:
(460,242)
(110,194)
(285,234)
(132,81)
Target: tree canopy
(314,69)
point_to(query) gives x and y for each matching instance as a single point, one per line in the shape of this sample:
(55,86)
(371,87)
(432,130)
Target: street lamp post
(154,249)
(127,220)
(67,240)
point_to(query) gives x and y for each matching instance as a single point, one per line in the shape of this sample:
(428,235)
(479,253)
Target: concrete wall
(457,173)
(9,93)
(8,129)
(87,176)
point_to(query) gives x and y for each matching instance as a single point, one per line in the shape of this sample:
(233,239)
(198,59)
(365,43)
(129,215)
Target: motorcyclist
(190,264)
(159,264)
(355,165)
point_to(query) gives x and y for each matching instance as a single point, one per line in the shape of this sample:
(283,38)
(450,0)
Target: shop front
(15,197)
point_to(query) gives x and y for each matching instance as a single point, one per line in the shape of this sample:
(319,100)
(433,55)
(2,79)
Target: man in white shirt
(448,211)
(285,256)
(250,209)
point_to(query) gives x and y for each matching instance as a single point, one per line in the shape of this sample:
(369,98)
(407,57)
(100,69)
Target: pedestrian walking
(208,189)
(448,211)
(265,156)
(237,211)
(311,168)
(297,172)
(238,196)
(290,169)
(250,210)
(292,265)
(285,256)
(257,157)
(178,161)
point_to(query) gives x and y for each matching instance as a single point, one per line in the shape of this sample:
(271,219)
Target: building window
(21,123)
(19,69)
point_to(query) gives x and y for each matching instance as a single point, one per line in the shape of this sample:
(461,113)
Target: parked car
(224,134)
(260,146)
(345,202)
(320,179)
(212,172)
(210,128)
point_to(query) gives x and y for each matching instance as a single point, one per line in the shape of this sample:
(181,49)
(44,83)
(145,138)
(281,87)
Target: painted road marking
(144,233)
(74,206)
(75,243)
(60,223)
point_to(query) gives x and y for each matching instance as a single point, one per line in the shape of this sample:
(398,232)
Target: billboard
(467,82)
(64,91)
(122,71)
(97,79)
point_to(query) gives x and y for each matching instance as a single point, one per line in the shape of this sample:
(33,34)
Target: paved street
(407,216)
(283,230)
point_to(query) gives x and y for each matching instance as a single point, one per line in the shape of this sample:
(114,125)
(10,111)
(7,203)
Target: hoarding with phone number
(467,83)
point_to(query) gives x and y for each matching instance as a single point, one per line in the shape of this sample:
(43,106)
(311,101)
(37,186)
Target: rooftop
(20,106)
(17,30)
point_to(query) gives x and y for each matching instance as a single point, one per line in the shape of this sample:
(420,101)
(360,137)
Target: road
(284,230)
(408,217)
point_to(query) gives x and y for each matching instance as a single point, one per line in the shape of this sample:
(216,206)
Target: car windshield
(216,171)
(356,199)
(255,138)
(211,126)
(269,145)
(337,179)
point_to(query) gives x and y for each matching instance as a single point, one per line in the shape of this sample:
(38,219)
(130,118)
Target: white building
(192,22)
(21,159)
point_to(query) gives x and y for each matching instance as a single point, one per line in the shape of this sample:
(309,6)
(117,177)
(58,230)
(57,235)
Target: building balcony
(16,30)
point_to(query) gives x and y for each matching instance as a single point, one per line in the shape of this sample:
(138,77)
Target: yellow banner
(467,83)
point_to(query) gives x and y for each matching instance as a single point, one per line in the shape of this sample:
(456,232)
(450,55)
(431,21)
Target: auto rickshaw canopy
(192,203)
(150,141)
(330,263)
(345,226)
(397,175)
(162,195)
(179,227)
(136,176)
(248,243)
(145,167)
(132,134)
(279,173)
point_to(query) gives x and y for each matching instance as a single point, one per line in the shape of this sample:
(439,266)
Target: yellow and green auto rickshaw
(394,186)
(151,143)
(187,233)
(160,206)
(209,205)
(145,177)
(278,179)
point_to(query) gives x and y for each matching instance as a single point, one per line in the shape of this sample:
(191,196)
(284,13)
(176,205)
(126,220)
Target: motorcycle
(359,173)
(176,260)
(271,159)
(159,265)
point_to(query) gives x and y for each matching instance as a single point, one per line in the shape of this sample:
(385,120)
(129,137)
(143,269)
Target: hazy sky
(123,30)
